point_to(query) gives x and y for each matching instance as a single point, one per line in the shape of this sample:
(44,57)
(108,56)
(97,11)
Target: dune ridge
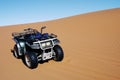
(91,43)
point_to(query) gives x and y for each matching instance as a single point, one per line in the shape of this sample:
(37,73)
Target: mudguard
(21,48)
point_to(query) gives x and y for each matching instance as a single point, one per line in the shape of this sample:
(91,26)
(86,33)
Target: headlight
(46,44)
(43,45)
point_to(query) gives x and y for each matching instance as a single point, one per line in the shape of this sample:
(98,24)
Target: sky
(14,12)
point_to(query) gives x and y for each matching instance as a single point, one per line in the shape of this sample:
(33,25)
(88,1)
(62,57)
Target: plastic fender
(21,48)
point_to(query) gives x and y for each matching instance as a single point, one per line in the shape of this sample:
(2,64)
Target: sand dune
(91,44)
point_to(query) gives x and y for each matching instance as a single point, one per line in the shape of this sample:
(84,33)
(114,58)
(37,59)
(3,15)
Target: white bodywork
(21,47)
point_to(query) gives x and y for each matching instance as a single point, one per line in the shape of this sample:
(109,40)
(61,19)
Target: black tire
(59,54)
(15,52)
(30,60)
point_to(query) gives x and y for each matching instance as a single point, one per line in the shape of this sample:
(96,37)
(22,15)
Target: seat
(38,35)
(45,35)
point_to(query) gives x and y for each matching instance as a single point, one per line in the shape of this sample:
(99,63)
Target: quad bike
(34,47)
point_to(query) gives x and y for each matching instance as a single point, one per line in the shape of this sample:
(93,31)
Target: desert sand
(91,44)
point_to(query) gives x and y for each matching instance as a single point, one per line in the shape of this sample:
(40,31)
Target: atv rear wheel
(30,60)
(59,54)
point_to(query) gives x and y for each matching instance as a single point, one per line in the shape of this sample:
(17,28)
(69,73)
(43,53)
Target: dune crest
(91,43)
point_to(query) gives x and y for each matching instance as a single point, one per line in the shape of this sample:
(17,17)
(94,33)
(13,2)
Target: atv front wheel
(59,54)
(30,60)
